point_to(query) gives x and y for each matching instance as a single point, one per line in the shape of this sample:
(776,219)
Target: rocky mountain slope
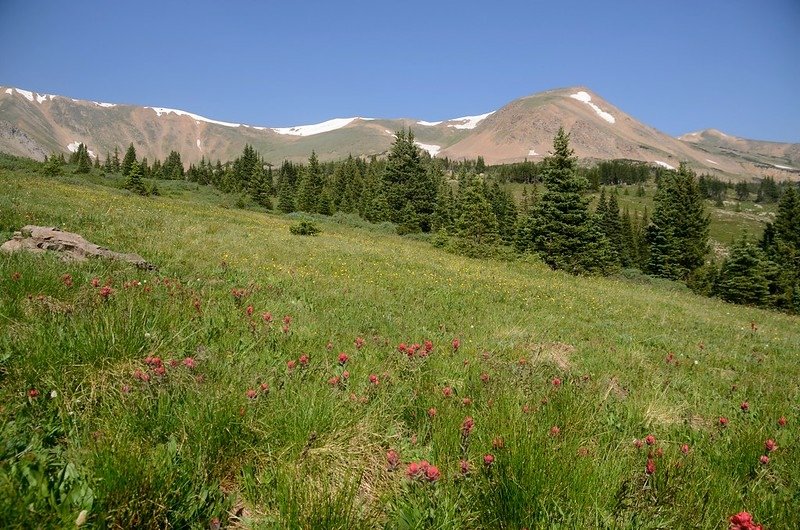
(33,124)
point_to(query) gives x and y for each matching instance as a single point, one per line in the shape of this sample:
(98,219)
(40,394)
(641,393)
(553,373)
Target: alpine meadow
(420,266)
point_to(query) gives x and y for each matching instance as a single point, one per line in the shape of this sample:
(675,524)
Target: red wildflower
(743,521)
(522,361)
(126,389)
(467,425)
(745,406)
(373,379)
(287,320)
(346,375)
(485,377)
(266,317)
(291,364)
(413,349)
(428,346)
(637,443)
(447,391)
(95,282)
(285,328)
(142,376)
(670,357)
(359,342)
(196,304)
(650,439)
(160,370)
(770,445)
(782,421)
(650,468)
(466,401)
(174,363)
(392,459)
(33,393)
(723,421)
(498,442)
(456,344)
(15,276)
(402,347)
(464,464)
(343,358)
(554,430)
(249,310)
(412,470)
(764,459)
(432,412)
(105,292)
(264,387)
(488,459)
(303,360)
(526,408)
(333,381)
(556,382)
(189,362)
(251,394)
(67,279)
(432,473)
(685,449)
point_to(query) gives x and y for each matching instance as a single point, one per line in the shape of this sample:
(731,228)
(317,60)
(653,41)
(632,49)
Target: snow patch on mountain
(533,152)
(428,123)
(162,111)
(784,167)
(586,98)
(663,164)
(26,93)
(106,105)
(41,98)
(712,162)
(10,91)
(430,148)
(199,144)
(73,147)
(318,128)
(469,122)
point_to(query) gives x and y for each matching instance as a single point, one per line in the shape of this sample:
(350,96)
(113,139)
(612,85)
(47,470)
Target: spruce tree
(83,164)
(678,232)
(52,166)
(408,183)
(309,189)
(115,161)
(134,180)
(743,276)
(128,161)
(564,234)
(476,227)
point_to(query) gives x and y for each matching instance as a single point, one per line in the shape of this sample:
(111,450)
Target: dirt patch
(557,353)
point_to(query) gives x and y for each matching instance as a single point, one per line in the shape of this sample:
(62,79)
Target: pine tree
(678,232)
(81,159)
(134,181)
(128,161)
(564,234)
(743,276)
(408,183)
(309,189)
(172,169)
(52,166)
(476,227)
(287,184)
(115,161)
(107,165)
(781,243)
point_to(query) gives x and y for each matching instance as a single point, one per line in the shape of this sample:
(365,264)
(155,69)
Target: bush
(304,228)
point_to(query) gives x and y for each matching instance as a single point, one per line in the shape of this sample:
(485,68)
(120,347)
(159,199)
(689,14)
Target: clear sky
(677,65)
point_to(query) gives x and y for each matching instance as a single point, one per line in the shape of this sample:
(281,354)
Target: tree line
(466,208)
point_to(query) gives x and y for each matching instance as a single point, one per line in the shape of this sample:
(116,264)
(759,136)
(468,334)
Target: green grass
(185,447)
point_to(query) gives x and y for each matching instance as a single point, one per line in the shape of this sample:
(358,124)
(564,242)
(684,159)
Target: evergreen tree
(309,189)
(743,275)
(134,180)
(505,211)
(107,165)
(408,183)
(781,243)
(128,161)
(678,233)
(443,219)
(52,166)
(172,169)
(613,230)
(115,161)
(287,185)
(564,233)
(83,164)
(476,227)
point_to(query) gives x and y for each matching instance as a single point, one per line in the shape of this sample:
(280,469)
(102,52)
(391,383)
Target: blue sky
(676,65)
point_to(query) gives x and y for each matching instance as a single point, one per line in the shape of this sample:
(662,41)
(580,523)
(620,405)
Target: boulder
(40,239)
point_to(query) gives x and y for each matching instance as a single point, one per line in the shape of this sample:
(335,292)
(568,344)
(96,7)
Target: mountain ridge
(522,129)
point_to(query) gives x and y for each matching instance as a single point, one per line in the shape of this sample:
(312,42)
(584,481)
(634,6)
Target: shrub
(304,228)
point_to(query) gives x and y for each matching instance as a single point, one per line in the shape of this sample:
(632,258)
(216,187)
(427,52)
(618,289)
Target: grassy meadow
(260,379)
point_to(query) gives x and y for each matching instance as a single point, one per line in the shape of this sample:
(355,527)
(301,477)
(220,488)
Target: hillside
(33,124)
(541,413)
(782,156)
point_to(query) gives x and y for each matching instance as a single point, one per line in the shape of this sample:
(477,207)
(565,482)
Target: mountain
(33,124)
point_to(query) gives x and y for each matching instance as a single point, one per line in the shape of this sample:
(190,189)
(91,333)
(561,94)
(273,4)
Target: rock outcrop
(40,239)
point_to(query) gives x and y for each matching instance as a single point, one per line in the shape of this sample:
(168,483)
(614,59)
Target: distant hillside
(33,124)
